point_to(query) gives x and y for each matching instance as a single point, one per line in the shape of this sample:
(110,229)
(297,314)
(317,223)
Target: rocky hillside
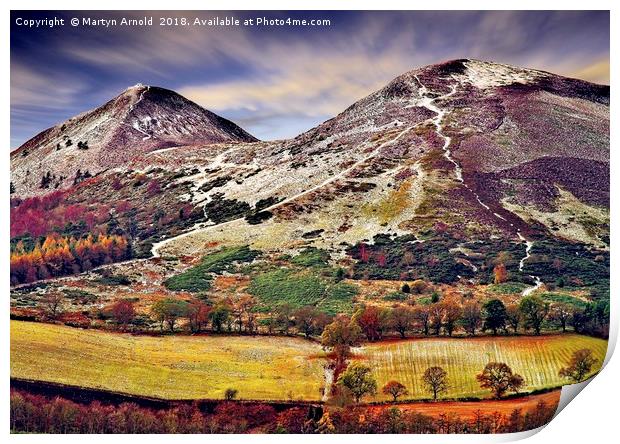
(472,151)
(483,148)
(139,120)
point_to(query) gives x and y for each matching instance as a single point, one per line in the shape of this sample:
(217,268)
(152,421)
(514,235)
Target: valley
(452,224)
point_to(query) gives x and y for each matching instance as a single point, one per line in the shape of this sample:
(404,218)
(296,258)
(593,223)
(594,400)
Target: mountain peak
(140,119)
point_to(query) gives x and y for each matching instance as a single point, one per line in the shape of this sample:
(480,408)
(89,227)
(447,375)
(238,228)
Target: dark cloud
(279,81)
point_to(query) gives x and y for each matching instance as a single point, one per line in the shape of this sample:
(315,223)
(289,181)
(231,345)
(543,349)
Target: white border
(589,421)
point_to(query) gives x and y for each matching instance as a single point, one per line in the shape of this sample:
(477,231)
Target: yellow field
(537,359)
(271,368)
(173,367)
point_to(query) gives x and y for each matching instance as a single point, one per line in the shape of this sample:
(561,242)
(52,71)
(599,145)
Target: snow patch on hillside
(485,75)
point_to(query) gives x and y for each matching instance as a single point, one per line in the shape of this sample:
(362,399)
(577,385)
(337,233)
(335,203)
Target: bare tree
(579,366)
(436,318)
(52,304)
(435,379)
(422,316)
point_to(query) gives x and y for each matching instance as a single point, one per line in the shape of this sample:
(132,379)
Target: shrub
(311,257)
(339,299)
(199,278)
(298,289)
(396,296)
(230,394)
(507,288)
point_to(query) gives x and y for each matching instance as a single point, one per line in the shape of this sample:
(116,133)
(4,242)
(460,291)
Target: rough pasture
(537,359)
(169,367)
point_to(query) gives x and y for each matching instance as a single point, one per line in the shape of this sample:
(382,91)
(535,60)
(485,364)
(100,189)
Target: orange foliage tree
(59,255)
(500,273)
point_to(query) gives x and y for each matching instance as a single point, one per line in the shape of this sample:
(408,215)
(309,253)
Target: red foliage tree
(123,313)
(372,321)
(198,314)
(364,253)
(381,259)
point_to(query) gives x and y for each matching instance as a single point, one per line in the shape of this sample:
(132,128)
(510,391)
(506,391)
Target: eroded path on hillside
(156,249)
(429,103)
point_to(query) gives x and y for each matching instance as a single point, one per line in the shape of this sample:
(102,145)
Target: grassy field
(469,409)
(537,359)
(271,368)
(173,367)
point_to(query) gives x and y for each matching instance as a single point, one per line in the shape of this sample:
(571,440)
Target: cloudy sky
(279,81)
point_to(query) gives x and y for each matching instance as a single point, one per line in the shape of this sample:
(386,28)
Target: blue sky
(279,81)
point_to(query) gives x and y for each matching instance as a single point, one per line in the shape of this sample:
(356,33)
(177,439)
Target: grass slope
(537,359)
(199,278)
(173,367)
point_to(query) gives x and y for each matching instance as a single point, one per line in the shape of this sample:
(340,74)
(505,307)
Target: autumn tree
(579,366)
(500,274)
(436,380)
(58,256)
(451,315)
(309,321)
(373,321)
(123,312)
(358,379)
(284,313)
(169,311)
(52,304)
(381,258)
(494,312)
(394,389)
(363,252)
(340,336)
(243,307)
(401,319)
(534,311)
(198,314)
(418,286)
(513,317)
(499,378)
(304,319)
(472,317)
(422,316)
(561,313)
